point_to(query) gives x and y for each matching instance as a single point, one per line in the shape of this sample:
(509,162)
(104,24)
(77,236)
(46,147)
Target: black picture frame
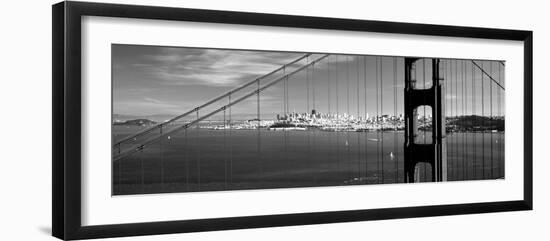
(66,122)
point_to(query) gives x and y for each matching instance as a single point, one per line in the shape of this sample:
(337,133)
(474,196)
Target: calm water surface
(212,160)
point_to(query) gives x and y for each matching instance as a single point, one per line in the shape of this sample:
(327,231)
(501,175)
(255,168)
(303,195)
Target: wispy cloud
(176,66)
(156,104)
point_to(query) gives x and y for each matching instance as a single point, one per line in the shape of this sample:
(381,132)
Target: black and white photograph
(190,119)
(275,120)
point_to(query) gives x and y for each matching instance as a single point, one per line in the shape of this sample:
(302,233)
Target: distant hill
(156,118)
(475,123)
(137,122)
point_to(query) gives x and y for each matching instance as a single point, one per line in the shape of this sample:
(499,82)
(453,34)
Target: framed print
(217,120)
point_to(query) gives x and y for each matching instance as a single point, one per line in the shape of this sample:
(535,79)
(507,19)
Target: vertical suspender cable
(358,147)
(377,124)
(186,160)
(482,122)
(348,161)
(491,115)
(328,85)
(259,136)
(456,119)
(161,158)
(285,82)
(119,171)
(465,115)
(328,104)
(142,170)
(231,144)
(394,119)
(347,86)
(500,115)
(444,65)
(337,117)
(458,112)
(198,156)
(307,87)
(451,118)
(314,117)
(366,119)
(424,112)
(285,99)
(450,114)
(358,88)
(225,149)
(453,114)
(308,137)
(161,143)
(464,169)
(381,113)
(455,111)
(447,106)
(461,111)
(313,85)
(474,117)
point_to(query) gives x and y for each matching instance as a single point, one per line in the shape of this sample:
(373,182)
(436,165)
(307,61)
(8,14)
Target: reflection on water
(211,160)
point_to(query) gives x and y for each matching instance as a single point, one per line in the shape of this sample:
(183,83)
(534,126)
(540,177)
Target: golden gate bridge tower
(433,153)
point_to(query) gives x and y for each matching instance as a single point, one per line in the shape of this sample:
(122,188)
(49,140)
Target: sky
(167,81)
